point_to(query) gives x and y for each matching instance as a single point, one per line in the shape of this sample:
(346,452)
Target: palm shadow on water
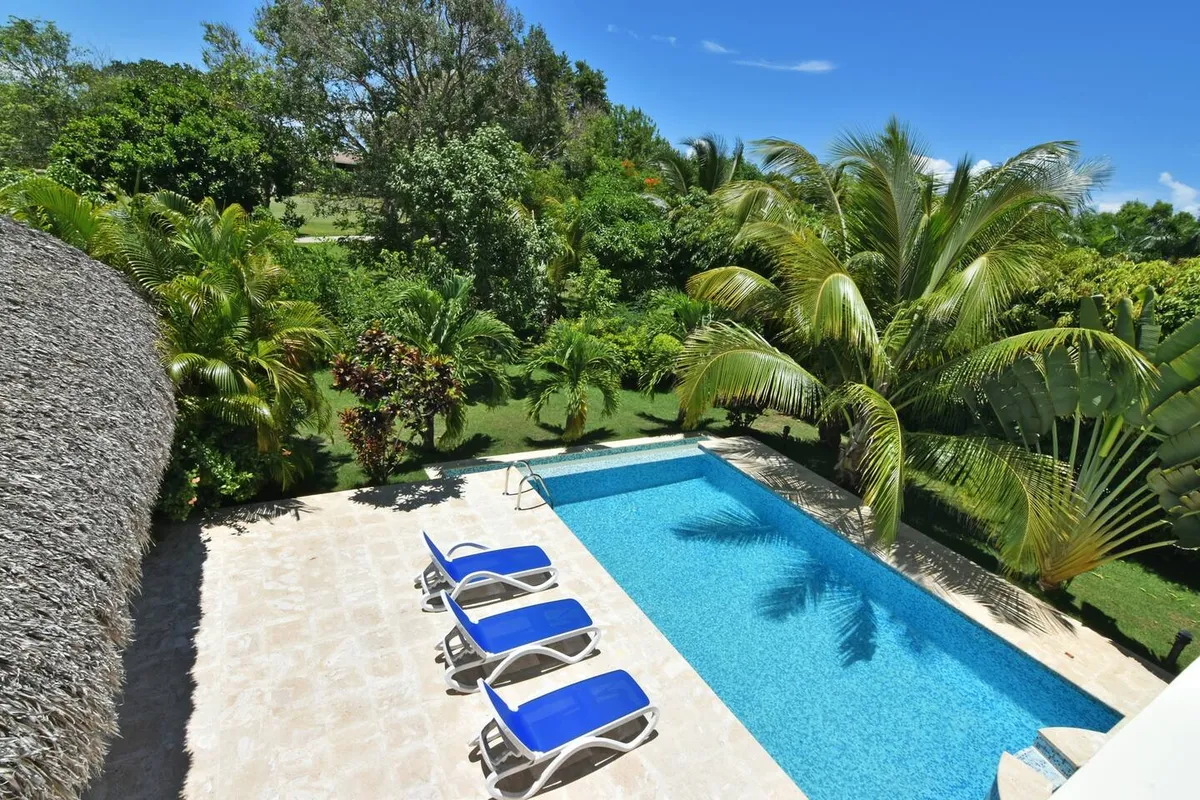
(799,584)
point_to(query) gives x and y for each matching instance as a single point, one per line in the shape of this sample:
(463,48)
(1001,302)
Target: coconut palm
(438,318)
(574,362)
(707,164)
(884,311)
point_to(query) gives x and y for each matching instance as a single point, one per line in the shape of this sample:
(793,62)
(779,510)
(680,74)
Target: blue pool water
(859,683)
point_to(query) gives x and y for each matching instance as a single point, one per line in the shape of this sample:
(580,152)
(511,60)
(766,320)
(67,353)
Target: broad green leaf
(1180,448)
(1063,379)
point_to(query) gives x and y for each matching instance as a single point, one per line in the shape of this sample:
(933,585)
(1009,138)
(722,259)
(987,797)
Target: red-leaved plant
(398,389)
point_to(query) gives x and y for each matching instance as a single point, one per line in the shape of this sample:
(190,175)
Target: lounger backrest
(441,560)
(464,622)
(506,717)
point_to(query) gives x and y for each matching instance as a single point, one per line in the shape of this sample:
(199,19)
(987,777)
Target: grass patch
(1128,601)
(1134,605)
(315,224)
(508,429)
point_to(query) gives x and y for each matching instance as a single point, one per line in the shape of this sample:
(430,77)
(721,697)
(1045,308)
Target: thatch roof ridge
(86,420)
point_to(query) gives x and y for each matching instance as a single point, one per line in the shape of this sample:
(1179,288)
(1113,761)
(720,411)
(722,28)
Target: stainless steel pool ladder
(528,479)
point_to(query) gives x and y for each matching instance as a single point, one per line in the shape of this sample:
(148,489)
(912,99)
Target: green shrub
(209,468)
(592,291)
(1082,272)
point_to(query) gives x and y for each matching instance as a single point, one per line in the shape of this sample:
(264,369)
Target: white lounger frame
(506,747)
(433,579)
(458,644)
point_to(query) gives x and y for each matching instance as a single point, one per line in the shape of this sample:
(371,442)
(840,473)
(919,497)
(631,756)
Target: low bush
(1083,272)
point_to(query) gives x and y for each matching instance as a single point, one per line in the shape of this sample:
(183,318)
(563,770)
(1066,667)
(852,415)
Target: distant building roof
(346,159)
(86,421)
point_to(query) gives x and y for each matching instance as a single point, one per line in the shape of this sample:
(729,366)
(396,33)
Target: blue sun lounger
(507,566)
(550,729)
(497,642)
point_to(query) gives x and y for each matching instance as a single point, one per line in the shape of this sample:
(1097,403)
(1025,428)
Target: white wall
(1155,755)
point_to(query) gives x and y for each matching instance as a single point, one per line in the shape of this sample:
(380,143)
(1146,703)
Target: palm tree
(439,320)
(883,311)
(707,164)
(236,352)
(238,355)
(576,362)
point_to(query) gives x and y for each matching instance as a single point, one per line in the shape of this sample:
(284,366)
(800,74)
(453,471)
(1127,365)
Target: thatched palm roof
(86,418)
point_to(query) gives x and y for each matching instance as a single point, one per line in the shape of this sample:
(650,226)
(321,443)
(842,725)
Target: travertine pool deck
(281,652)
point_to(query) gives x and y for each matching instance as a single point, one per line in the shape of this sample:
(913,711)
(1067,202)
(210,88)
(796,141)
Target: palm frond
(1021,499)
(725,363)
(882,459)
(737,289)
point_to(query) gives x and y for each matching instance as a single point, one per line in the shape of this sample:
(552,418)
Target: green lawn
(1126,601)
(315,224)
(508,429)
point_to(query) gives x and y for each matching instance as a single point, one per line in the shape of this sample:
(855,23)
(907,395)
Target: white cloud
(617,29)
(938,168)
(715,47)
(799,66)
(943,170)
(671,40)
(1183,197)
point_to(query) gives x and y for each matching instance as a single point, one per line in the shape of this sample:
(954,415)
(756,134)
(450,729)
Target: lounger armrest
(461,545)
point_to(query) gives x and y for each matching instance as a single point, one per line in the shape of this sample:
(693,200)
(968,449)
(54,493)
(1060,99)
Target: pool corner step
(1036,772)
(1017,780)
(1068,749)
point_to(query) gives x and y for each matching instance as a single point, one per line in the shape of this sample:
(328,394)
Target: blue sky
(984,79)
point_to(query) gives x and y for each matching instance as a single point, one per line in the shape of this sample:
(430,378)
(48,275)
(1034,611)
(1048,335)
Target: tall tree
(373,76)
(40,80)
(149,125)
(463,196)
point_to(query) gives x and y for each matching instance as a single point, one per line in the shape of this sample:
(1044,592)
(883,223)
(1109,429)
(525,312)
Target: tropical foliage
(241,357)
(929,322)
(707,164)
(1137,232)
(886,311)
(1083,272)
(438,319)
(400,391)
(572,362)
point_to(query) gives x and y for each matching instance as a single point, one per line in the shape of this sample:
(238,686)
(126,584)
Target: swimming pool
(858,682)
